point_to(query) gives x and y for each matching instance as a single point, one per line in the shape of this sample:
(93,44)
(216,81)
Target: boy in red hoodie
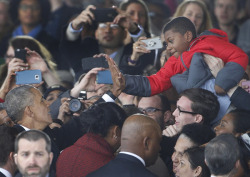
(180,37)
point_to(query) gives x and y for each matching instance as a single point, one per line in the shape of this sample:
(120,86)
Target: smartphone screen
(104,77)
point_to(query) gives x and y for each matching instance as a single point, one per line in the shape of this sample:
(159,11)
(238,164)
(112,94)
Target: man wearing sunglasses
(194,105)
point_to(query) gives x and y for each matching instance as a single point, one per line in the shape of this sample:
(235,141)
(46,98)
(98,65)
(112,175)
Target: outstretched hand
(117,76)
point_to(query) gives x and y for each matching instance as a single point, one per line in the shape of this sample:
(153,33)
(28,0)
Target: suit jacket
(61,138)
(2,175)
(123,166)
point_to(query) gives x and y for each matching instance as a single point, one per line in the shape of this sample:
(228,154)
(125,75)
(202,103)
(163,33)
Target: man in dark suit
(7,138)
(140,145)
(26,106)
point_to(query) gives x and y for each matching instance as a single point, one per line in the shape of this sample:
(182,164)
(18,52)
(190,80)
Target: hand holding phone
(21,54)
(153,43)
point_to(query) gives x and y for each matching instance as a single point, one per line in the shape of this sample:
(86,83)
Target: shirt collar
(5,172)
(134,155)
(25,128)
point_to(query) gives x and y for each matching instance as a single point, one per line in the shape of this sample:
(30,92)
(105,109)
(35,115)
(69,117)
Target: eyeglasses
(187,112)
(25,7)
(104,26)
(149,110)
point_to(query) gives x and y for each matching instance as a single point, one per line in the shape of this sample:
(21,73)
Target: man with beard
(33,154)
(108,38)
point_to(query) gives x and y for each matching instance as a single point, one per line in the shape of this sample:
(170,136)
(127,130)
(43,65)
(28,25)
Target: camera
(75,104)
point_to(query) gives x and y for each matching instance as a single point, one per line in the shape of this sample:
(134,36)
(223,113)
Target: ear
(198,118)
(146,143)
(15,158)
(198,171)
(51,155)
(115,132)
(188,36)
(28,111)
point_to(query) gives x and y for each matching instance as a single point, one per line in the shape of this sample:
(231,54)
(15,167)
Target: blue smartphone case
(104,77)
(28,77)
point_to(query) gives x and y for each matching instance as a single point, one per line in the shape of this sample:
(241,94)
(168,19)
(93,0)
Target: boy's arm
(141,85)
(235,61)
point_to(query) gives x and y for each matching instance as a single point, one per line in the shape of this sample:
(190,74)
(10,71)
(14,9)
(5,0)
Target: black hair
(241,120)
(221,154)
(99,118)
(165,104)
(180,25)
(45,11)
(196,157)
(244,153)
(53,88)
(7,138)
(204,102)
(199,134)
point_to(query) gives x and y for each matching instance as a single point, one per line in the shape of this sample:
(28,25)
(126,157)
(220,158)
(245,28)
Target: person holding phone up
(109,39)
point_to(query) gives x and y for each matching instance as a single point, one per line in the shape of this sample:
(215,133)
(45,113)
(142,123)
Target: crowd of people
(181,110)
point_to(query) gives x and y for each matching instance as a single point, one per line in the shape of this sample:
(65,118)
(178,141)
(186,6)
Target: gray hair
(17,100)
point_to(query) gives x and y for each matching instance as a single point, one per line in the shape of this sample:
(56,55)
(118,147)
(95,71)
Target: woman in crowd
(236,122)
(192,135)
(29,18)
(197,12)
(192,163)
(102,124)
(137,10)
(38,57)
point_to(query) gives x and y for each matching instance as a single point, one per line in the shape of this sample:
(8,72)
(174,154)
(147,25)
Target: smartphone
(104,14)
(104,77)
(28,77)
(21,54)
(90,63)
(153,43)
(246,83)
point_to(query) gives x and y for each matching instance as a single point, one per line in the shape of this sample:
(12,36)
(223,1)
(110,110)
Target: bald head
(141,135)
